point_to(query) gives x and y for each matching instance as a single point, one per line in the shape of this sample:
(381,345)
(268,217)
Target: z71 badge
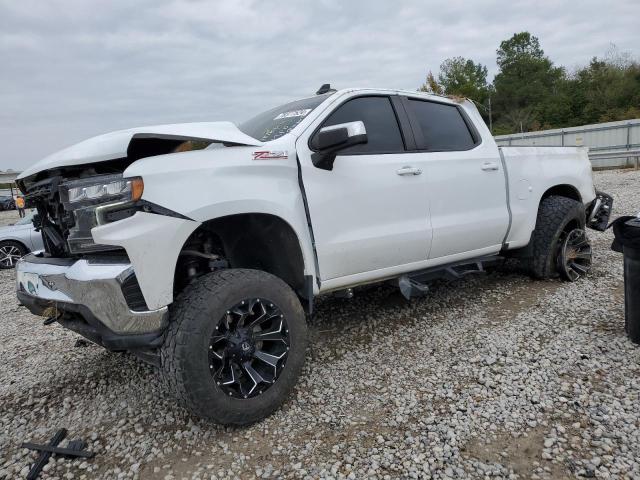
(270,155)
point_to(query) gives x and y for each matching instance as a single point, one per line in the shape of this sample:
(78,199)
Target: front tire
(557,218)
(235,345)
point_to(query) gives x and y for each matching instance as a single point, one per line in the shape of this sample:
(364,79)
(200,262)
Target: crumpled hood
(114,145)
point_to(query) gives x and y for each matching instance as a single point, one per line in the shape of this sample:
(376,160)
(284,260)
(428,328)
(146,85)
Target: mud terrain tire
(185,356)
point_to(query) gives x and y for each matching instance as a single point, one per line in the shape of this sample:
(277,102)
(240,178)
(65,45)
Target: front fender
(152,243)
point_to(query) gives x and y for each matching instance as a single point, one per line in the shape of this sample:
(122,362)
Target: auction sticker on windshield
(293,113)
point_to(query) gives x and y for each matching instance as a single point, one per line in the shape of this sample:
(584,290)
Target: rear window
(280,120)
(443,127)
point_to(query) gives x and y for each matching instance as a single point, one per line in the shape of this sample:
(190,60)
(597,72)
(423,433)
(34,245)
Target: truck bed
(530,172)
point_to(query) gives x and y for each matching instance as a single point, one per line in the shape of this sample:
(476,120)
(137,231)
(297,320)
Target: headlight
(124,189)
(87,198)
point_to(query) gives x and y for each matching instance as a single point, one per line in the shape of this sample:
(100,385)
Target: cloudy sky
(71,69)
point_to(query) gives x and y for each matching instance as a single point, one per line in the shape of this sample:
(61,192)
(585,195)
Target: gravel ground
(493,376)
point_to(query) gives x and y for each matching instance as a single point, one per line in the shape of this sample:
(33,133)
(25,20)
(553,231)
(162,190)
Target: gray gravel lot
(493,376)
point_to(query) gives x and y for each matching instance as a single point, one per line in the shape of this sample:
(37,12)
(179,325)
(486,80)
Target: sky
(72,69)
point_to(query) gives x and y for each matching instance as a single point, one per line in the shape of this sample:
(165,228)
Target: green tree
(531,93)
(528,86)
(520,47)
(606,90)
(431,85)
(463,77)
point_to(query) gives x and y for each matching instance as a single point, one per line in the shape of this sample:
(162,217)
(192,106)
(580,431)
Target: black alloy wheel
(575,255)
(248,348)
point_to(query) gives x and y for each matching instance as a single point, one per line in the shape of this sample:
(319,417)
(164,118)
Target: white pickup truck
(200,246)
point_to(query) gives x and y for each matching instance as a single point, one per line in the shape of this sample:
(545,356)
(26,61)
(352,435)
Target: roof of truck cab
(392,91)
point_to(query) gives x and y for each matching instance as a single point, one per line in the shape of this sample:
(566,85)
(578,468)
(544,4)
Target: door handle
(489,166)
(408,171)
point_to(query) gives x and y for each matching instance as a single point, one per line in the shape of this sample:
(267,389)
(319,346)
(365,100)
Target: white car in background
(17,240)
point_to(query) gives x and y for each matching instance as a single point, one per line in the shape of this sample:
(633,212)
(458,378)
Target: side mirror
(330,140)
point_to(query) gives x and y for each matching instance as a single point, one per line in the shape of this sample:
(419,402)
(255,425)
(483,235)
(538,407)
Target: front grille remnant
(65,228)
(51,220)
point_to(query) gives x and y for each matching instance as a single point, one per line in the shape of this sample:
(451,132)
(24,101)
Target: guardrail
(611,144)
(606,160)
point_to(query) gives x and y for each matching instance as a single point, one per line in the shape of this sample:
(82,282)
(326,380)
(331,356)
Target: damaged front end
(82,186)
(88,287)
(94,276)
(68,208)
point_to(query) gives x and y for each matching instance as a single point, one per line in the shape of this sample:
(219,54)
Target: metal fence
(611,144)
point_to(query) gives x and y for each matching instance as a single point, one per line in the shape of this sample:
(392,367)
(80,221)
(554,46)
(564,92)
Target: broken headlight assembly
(87,201)
(126,189)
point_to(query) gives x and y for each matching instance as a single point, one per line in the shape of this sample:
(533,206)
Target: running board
(414,284)
(411,288)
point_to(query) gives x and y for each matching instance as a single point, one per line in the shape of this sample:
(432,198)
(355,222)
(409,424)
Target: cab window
(379,118)
(443,127)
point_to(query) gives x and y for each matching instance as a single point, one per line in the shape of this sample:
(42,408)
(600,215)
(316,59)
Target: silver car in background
(17,240)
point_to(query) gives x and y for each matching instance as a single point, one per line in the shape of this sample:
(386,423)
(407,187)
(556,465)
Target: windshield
(278,121)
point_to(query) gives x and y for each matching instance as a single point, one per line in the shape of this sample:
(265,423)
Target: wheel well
(253,240)
(567,191)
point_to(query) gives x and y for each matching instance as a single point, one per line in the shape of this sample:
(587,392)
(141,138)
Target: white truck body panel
(363,226)
(534,170)
(468,199)
(365,220)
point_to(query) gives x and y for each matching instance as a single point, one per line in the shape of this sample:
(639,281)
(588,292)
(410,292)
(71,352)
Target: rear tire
(557,216)
(210,370)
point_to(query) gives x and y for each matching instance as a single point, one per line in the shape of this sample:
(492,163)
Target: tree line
(530,93)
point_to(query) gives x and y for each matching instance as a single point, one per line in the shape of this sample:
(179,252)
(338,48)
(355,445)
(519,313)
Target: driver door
(370,212)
